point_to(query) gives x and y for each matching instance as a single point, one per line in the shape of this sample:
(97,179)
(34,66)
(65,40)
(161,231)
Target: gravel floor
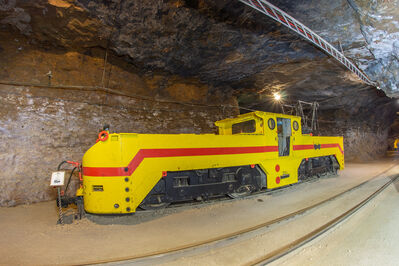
(29,235)
(369,237)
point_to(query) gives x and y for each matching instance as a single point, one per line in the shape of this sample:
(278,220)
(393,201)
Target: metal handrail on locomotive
(254,151)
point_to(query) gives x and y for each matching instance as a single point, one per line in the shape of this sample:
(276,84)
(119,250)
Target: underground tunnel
(174,68)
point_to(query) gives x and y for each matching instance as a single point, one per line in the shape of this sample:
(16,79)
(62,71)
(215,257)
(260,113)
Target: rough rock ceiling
(225,43)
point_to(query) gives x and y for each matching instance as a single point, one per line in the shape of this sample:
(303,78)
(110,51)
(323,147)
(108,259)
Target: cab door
(284,136)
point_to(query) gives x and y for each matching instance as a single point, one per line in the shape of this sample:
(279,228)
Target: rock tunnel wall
(41,126)
(362,142)
(364,119)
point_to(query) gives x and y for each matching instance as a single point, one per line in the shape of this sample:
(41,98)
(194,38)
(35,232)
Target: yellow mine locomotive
(254,151)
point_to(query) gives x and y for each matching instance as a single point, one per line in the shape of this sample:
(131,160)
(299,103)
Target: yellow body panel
(148,156)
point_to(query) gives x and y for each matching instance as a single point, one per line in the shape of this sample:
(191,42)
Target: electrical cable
(70,176)
(147,109)
(111,91)
(61,163)
(291,23)
(69,180)
(108,90)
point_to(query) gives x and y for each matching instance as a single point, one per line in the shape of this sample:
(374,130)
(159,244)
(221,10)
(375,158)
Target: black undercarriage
(205,184)
(317,167)
(235,182)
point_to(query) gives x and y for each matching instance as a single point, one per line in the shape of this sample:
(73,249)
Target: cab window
(244,127)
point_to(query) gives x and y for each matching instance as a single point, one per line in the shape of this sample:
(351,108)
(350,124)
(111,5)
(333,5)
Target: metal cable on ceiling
(298,27)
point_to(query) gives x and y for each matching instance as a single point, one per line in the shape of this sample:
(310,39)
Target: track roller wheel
(154,202)
(158,206)
(241,192)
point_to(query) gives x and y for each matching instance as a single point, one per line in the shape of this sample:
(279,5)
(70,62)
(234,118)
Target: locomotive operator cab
(279,129)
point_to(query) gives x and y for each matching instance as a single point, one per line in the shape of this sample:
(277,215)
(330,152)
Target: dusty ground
(29,235)
(370,237)
(249,248)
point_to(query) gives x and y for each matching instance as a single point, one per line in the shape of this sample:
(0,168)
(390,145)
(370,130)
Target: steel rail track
(271,256)
(320,230)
